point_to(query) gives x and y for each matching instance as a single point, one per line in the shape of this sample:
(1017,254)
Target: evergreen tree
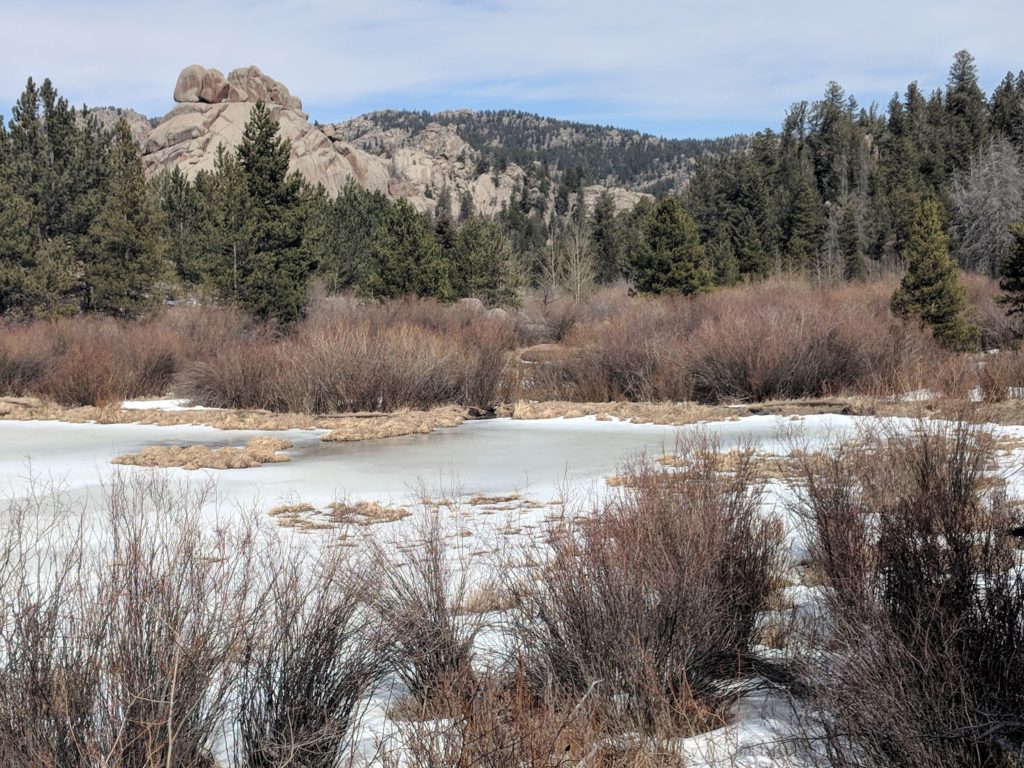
(16,246)
(400,254)
(483,263)
(854,262)
(444,224)
(1007,109)
(273,273)
(803,224)
(931,289)
(226,234)
(1012,281)
(127,262)
(182,216)
(605,234)
(967,111)
(723,257)
(671,258)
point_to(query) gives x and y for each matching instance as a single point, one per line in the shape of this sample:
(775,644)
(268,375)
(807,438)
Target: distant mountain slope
(608,156)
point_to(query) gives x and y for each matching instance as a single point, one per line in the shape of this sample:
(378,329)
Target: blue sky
(677,69)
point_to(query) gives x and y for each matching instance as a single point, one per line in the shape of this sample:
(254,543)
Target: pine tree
(723,257)
(16,245)
(127,263)
(273,274)
(854,263)
(605,234)
(444,224)
(483,263)
(967,111)
(671,258)
(1007,109)
(1012,281)
(226,234)
(931,289)
(182,210)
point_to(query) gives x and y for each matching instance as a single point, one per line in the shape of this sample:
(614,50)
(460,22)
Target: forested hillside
(604,155)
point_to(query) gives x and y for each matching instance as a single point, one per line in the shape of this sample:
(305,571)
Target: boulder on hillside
(190,84)
(215,87)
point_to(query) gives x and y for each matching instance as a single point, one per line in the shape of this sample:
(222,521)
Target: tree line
(839,192)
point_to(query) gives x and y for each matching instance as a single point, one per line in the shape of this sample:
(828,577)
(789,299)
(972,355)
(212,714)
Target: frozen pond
(537,459)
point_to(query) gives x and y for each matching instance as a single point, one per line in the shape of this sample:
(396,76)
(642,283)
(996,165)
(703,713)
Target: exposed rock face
(419,166)
(215,87)
(190,84)
(138,124)
(625,199)
(189,135)
(245,84)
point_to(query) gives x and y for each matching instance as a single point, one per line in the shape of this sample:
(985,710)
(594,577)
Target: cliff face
(415,165)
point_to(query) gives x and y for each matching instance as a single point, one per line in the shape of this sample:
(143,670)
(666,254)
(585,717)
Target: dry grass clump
(766,466)
(258,451)
(651,604)
(920,660)
(299,516)
(365,512)
(483,500)
(488,598)
(381,426)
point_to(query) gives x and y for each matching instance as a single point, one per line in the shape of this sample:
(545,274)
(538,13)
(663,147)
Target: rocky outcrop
(190,84)
(188,138)
(418,166)
(624,199)
(196,84)
(108,117)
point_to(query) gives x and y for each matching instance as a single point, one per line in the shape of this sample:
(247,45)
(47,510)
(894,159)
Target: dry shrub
(653,602)
(88,360)
(1000,376)
(150,638)
(998,330)
(785,340)
(495,721)
(115,649)
(419,596)
(362,357)
(778,339)
(921,662)
(24,357)
(311,659)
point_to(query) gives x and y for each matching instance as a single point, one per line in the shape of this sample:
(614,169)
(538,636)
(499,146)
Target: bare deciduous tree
(987,198)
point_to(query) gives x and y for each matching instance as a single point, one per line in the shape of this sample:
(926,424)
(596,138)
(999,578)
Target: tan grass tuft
(258,451)
(365,512)
(379,426)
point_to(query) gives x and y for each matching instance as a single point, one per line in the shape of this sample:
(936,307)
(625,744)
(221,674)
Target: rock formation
(108,117)
(212,110)
(247,84)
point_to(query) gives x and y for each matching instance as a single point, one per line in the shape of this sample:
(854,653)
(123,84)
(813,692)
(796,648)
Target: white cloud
(625,62)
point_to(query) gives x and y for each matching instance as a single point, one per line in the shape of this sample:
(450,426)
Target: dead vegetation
(255,453)
(365,512)
(916,660)
(379,426)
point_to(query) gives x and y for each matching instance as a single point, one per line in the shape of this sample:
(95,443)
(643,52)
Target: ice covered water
(536,459)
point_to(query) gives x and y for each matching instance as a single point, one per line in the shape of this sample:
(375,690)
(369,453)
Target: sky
(677,69)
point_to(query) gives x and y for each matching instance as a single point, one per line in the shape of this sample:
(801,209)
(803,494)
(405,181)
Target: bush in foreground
(921,660)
